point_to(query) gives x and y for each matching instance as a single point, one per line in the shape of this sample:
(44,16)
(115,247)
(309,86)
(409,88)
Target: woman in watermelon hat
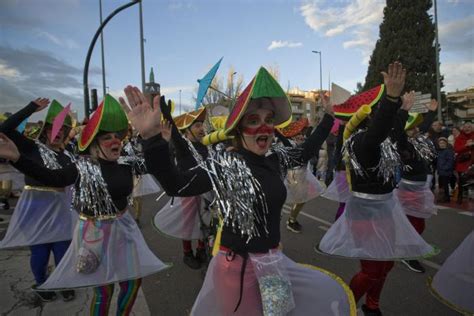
(301,185)
(186,217)
(107,245)
(249,275)
(42,219)
(417,153)
(373,227)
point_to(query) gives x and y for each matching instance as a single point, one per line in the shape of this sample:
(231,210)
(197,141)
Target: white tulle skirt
(146,185)
(302,186)
(106,251)
(183,217)
(374,230)
(338,190)
(416,199)
(315,291)
(453,284)
(40,217)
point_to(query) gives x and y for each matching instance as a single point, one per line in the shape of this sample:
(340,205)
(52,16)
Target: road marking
(467,213)
(325,228)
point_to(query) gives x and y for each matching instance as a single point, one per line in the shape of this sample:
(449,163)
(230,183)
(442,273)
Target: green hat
(53,110)
(263,86)
(109,117)
(414,119)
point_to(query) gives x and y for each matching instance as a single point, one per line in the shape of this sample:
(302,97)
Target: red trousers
(370,281)
(417,223)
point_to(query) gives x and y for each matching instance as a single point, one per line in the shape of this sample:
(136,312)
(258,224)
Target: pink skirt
(313,289)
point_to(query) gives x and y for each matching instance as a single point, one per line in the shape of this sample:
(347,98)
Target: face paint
(111,142)
(262,129)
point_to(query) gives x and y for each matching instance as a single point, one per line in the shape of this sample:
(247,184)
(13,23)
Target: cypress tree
(407,34)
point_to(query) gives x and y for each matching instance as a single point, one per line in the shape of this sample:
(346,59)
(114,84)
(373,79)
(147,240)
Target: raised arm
(429,117)
(382,123)
(314,142)
(55,178)
(147,121)
(8,127)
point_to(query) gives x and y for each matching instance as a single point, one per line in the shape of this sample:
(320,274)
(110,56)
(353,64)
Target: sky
(43,44)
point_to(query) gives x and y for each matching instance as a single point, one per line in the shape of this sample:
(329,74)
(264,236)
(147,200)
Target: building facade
(461,105)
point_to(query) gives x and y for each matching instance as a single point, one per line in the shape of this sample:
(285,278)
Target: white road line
(310,216)
(325,228)
(467,213)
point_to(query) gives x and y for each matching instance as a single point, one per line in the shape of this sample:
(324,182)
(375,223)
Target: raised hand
(408,100)
(41,103)
(433,105)
(395,79)
(166,130)
(144,118)
(327,105)
(8,149)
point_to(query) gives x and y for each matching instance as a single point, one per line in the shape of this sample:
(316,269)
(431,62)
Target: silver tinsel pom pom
(238,193)
(48,156)
(133,158)
(92,194)
(424,147)
(289,157)
(389,162)
(350,157)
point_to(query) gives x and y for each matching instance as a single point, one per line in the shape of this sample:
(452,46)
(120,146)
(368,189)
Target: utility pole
(102,52)
(438,81)
(142,48)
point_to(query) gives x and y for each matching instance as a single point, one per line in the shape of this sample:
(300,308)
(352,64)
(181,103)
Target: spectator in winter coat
(464,148)
(445,167)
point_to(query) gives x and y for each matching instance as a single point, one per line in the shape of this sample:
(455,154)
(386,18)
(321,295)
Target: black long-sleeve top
(417,169)
(118,177)
(367,149)
(27,146)
(266,169)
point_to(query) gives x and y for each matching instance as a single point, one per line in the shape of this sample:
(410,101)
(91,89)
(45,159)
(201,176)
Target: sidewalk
(17,298)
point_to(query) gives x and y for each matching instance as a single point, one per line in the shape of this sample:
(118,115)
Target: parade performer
(107,245)
(42,219)
(338,190)
(453,284)
(373,226)
(417,153)
(183,217)
(249,275)
(301,185)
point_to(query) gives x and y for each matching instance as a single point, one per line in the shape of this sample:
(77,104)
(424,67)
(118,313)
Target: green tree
(407,34)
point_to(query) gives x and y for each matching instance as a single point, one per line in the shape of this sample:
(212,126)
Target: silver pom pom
(389,162)
(133,158)
(48,156)
(92,194)
(424,147)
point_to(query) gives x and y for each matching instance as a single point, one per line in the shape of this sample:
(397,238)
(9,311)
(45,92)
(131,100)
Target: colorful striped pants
(103,296)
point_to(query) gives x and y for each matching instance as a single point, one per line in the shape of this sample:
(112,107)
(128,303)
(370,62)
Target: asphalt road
(172,292)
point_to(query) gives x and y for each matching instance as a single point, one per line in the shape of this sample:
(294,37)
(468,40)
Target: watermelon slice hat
(294,128)
(262,89)
(344,111)
(53,110)
(109,117)
(185,120)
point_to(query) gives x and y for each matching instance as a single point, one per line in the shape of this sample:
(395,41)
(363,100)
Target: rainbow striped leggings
(103,295)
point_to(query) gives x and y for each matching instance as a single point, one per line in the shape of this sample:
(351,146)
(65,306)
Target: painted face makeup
(110,145)
(258,130)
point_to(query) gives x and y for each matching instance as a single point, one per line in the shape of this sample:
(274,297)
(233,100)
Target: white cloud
(68,43)
(457,75)
(281,44)
(457,35)
(358,19)
(8,72)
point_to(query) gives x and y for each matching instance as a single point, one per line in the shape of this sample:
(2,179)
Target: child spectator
(445,166)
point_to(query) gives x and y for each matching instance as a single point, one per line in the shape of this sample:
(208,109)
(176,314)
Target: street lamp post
(438,81)
(87,109)
(320,69)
